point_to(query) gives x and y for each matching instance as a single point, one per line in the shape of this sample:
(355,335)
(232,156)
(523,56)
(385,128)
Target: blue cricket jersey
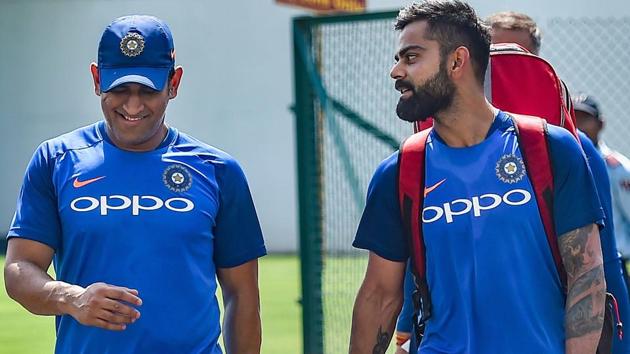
(159,221)
(492,278)
(615,283)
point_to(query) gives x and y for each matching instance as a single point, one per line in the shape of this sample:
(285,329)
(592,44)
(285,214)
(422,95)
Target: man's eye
(411,56)
(149,92)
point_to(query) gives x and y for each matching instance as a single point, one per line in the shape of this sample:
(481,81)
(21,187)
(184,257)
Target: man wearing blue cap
(591,121)
(139,218)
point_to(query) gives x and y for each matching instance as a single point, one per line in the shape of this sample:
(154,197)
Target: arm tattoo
(589,280)
(573,249)
(581,320)
(382,339)
(582,259)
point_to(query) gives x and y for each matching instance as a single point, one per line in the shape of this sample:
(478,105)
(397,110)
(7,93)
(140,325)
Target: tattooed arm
(582,257)
(377,305)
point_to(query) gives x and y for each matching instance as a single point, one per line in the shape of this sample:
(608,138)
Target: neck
(467,121)
(147,145)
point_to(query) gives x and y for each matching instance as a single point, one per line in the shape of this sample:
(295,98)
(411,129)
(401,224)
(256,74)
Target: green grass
(25,333)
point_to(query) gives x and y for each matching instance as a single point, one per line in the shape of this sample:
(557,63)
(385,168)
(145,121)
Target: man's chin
(408,113)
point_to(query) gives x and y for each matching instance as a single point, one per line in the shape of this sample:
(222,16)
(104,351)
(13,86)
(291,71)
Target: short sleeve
(380,229)
(576,203)
(36,214)
(238,237)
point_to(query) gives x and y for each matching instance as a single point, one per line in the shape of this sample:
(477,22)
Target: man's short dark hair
(452,23)
(516,21)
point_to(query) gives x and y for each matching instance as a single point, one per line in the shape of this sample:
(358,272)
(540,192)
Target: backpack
(540,93)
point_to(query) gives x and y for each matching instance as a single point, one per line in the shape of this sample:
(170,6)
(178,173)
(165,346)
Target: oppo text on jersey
(136,203)
(475,205)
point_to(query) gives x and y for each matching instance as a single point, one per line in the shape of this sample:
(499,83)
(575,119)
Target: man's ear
(457,61)
(96,78)
(173,84)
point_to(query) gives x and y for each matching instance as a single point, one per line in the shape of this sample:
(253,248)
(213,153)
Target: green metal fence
(346,124)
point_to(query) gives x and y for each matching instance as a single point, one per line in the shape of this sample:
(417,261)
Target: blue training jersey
(492,278)
(615,283)
(159,221)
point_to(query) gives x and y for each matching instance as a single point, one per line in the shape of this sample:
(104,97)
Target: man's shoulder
(618,168)
(188,144)
(616,160)
(388,168)
(560,135)
(564,147)
(79,138)
(208,154)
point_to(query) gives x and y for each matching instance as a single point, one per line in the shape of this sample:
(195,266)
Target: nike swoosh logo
(428,190)
(79,184)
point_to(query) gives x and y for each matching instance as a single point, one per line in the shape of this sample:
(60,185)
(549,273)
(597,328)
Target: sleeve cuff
(242,258)
(32,237)
(383,253)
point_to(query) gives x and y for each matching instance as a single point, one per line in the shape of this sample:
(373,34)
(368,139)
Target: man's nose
(397,72)
(134,105)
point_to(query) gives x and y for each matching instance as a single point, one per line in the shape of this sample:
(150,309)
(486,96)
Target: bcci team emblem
(510,169)
(132,44)
(177,178)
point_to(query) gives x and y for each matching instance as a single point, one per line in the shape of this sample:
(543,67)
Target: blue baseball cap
(587,103)
(137,49)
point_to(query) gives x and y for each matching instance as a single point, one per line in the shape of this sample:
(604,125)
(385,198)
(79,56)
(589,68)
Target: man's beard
(434,96)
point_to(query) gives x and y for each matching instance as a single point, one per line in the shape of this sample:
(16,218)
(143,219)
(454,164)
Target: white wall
(235,94)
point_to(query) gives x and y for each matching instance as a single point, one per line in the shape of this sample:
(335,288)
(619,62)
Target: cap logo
(132,44)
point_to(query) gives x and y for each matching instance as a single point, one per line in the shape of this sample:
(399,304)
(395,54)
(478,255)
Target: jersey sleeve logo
(177,178)
(79,184)
(510,169)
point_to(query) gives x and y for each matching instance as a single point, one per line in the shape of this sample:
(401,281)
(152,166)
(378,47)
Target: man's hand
(402,342)
(105,306)
(101,305)
(401,350)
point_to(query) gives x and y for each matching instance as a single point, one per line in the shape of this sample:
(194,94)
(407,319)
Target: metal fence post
(309,193)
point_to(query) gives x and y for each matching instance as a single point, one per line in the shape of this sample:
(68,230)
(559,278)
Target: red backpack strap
(411,162)
(532,137)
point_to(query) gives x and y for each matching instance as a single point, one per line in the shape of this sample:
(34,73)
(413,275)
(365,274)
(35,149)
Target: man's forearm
(36,290)
(584,316)
(242,329)
(373,321)
(585,312)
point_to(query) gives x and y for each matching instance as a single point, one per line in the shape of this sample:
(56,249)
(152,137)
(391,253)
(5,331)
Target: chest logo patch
(177,178)
(510,169)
